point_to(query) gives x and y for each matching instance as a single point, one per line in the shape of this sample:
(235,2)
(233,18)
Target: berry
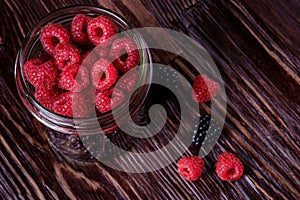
(190,168)
(88,59)
(74,78)
(125,54)
(103,74)
(128,81)
(101,52)
(70,104)
(40,73)
(100,30)
(89,96)
(167,76)
(205,131)
(53,34)
(107,100)
(46,96)
(66,54)
(79,29)
(204,89)
(229,167)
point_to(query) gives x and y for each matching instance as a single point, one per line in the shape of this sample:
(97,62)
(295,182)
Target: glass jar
(64,133)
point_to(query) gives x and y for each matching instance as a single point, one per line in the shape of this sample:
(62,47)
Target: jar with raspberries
(77,65)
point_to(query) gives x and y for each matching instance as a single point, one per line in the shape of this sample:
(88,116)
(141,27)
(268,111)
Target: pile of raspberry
(81,63)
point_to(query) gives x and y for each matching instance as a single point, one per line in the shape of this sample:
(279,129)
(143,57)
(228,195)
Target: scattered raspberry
(66,54)
(103,74)
(100,30)
(204,89)
(107,100)
(53,34)
(79,29)
(128,81)
(191,167)
(39,73)
(46,96)
(74,78)
(70,104)
(125,54)
(229,167)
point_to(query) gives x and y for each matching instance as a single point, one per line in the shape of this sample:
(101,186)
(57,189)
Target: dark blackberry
(167,76)
(205,131)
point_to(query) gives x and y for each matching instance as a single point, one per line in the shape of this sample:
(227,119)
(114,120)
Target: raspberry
(125,54)
(39,72)
(66,54)
(53,34)
(103,74)
(90,57)
(89,96)
(205,130)
(79,29)
(46,96)
(100,30)
(101,52)
(191,167)
(229,167)
(107,100)
(204,89)
(128,81)
(70,104)
(74,78)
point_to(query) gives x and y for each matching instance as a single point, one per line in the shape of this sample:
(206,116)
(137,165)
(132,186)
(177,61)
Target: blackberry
(167,76)
(205,131)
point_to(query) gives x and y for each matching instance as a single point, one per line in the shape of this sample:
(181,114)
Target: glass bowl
(63,132)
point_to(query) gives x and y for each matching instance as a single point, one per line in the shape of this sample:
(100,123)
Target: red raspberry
(101,52)
(70,104)
(191,167)
(39,72)
(229,167)
(125,54)
(74,78)
(46,96)
(107,100)
(53,34)
(204,89)
(128,81)
(79,29)
(100,30)
(66,54)
(103,74)
(89,96)
(88,59)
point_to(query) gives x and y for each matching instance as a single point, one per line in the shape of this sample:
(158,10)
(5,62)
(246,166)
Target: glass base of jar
(91,148)
(69,146)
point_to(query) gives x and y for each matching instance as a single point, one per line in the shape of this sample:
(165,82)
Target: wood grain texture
(256,48)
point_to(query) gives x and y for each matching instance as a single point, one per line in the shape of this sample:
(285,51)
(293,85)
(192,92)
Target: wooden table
(255,45)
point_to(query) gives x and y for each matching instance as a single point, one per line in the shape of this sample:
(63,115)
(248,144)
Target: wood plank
(255,46)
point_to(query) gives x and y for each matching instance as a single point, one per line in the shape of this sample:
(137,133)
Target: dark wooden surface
(255,45)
